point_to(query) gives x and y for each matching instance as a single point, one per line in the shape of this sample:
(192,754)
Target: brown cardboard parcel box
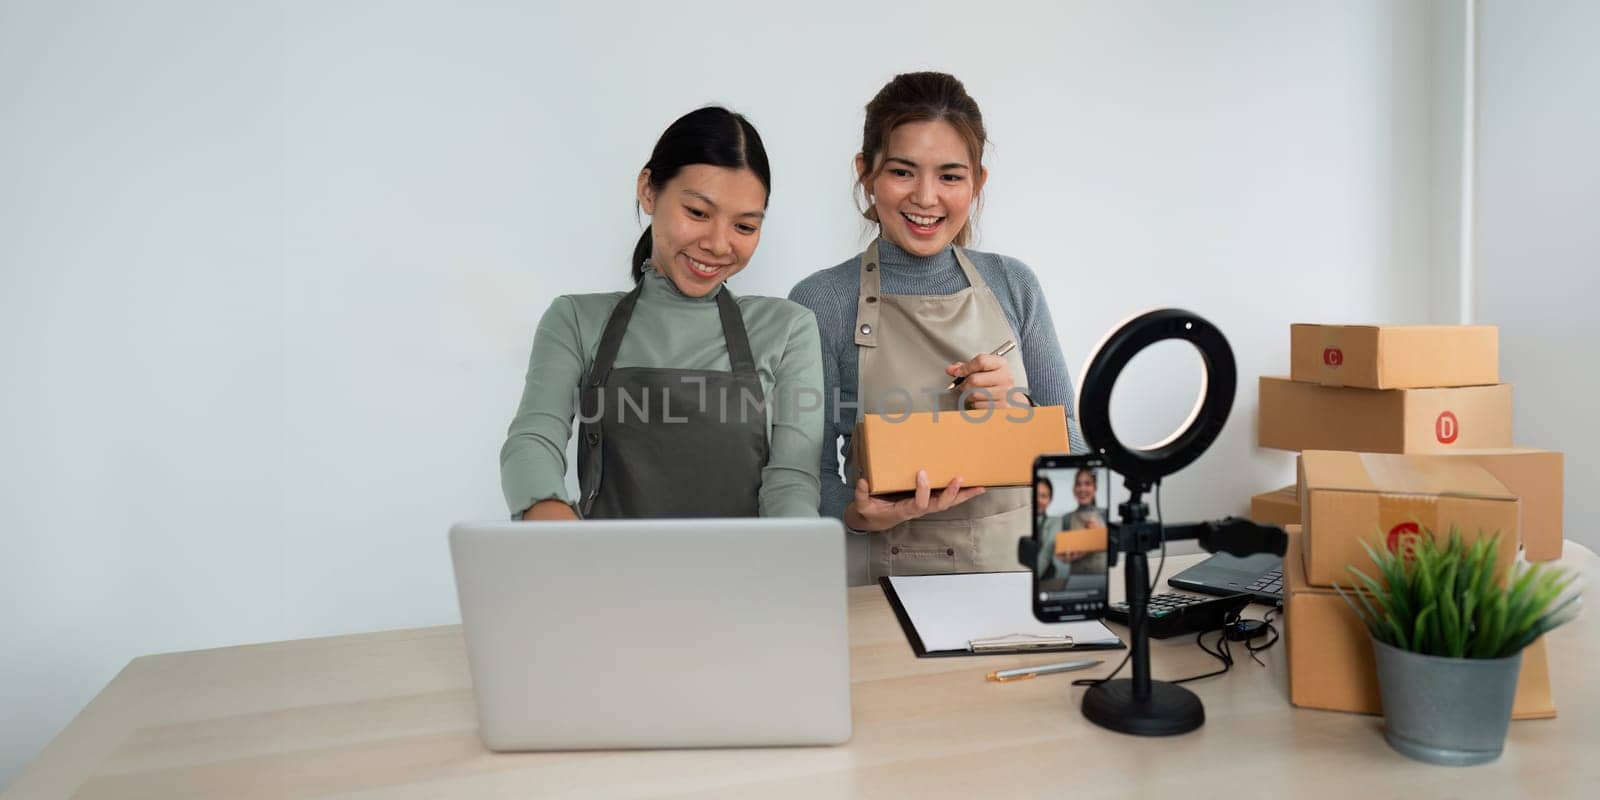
(1395,356)
(1330,652)
(994,447)
(1350,498)
(1535,476)
(1082,540)
(1305,416)
(1277,507)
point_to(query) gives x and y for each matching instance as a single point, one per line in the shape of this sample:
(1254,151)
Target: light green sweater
(670,330)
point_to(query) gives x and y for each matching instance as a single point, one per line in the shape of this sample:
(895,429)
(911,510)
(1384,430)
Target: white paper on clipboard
(950,611)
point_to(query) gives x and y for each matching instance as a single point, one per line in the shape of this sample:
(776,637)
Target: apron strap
(867,298)
(740,356)
(589,452)
(611,338)
(741,360)
(967,269)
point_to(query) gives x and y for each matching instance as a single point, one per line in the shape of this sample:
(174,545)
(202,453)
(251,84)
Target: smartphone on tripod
(1071,504)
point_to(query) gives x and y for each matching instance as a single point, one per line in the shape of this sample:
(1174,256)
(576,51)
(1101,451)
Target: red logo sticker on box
(1332,356)
(1404,535)
(1447,428)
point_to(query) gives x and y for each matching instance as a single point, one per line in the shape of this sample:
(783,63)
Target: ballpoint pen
(1004,348)
(1024,673)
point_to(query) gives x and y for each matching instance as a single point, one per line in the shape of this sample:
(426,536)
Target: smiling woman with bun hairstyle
(917,310)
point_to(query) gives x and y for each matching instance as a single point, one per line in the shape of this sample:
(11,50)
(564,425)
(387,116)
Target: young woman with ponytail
(690,402)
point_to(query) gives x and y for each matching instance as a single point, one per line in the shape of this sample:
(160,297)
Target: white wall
(270,273)
(1537,242)
(1450,76)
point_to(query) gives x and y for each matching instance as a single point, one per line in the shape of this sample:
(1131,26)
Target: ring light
(1140,705)
(1217,383)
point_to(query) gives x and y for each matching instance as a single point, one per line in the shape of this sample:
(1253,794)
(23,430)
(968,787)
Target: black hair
(711,135)
(1092,476)
(1048,483)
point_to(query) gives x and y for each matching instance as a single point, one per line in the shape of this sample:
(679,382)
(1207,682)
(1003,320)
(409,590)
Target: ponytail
(641,254)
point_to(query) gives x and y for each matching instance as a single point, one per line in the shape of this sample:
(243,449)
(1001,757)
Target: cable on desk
(1224,654)
(1221,651)
(1272,630)
(1098,681)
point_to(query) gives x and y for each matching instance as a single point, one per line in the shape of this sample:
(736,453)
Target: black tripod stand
(1139,705)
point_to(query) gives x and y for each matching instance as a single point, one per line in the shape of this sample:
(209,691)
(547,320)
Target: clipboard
(1002,623)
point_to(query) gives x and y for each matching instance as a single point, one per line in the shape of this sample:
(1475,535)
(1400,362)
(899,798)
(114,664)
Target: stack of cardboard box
(1421,427)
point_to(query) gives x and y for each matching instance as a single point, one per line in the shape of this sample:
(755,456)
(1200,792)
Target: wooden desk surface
(391,715)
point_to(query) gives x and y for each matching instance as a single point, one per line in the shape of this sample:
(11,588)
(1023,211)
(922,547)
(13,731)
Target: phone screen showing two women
(1070,509)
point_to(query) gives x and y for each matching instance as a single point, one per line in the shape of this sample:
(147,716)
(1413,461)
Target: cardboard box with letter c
(1395,356)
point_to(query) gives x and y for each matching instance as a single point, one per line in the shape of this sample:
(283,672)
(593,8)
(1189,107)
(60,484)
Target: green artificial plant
(1449,600)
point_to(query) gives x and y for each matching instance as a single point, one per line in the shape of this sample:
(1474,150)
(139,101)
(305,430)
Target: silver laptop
(656,633)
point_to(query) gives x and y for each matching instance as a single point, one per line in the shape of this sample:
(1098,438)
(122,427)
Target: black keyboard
(1270,583)
(1177,614)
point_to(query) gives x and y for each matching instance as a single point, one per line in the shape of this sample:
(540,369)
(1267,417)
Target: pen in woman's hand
(1004,348)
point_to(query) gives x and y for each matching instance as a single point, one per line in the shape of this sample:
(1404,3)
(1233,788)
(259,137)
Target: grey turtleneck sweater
(831,295)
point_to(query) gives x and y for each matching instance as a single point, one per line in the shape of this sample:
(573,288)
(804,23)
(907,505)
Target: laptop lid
(656,633)
(1225,574)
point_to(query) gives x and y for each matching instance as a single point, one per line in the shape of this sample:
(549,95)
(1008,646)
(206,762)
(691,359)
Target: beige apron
(904,343)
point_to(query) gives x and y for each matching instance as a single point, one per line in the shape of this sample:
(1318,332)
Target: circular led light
(1217,383)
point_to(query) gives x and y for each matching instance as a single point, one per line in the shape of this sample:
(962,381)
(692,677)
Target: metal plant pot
(1451,711)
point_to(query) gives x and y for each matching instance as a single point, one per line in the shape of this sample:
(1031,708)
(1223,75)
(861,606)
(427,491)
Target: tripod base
(1170,710)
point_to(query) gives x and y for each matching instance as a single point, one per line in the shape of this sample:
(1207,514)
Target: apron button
(894,551)
(594,438)
(871,267)
(866,330)
(949,551)
(872,299)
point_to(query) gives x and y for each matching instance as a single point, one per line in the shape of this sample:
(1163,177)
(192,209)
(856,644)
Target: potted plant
(1448,631)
